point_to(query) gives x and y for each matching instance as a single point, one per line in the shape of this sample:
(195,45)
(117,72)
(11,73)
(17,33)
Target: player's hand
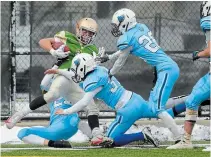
(59,111)
(59,53)
(195,55)
(102,56)
(51,71)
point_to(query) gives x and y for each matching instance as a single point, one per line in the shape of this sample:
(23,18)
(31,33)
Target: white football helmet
(205,9)
(82,64)
(123,20)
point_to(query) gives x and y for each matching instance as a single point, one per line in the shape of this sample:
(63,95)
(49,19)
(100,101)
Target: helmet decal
(121,18)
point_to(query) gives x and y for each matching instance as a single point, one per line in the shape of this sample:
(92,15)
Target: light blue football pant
(135,109)
(62,128)
(200,92)
(163,88)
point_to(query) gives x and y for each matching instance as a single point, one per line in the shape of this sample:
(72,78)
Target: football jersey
(75,47)
(205,16)
(144,46)
(111,91)
(58,104)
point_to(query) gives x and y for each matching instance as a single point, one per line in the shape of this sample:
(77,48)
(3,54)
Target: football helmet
(205,9)
(123,20)
(86,30)
(81,65)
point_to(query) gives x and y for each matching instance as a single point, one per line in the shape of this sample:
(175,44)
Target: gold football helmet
(86,30)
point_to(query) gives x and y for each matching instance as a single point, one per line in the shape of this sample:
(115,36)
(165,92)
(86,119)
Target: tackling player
(201,91)
(136,39)
(129,105)
(86,30)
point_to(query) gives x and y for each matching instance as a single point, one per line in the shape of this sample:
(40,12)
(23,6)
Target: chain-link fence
(175,26)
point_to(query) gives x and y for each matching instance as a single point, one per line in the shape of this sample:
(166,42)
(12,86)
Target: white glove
(59,53)
(101,52)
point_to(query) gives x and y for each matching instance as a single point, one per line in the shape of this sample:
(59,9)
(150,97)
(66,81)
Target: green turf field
(111,152)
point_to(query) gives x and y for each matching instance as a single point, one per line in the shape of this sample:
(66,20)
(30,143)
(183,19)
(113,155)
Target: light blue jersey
(112,89)
(144,46)
(59,104)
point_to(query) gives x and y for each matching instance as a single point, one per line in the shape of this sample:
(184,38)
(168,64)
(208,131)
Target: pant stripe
(161,91)
(115,124)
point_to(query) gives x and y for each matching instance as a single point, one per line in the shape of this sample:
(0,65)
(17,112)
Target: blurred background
(175,26)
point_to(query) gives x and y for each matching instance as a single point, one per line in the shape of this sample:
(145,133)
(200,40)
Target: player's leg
(92,112)
(126,117)
(200,92)
(61,129)
(159,96)
(60,83)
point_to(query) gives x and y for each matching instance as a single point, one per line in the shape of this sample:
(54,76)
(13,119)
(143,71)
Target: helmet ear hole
(81,69)
(123,26)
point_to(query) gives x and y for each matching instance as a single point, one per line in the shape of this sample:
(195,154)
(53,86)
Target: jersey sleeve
(123,42)
(205,23)
(60,35)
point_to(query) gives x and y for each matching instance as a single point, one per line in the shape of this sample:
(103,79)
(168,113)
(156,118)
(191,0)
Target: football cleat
(149,138)
(11,122)
(101,140)
(62,144)
(181,145)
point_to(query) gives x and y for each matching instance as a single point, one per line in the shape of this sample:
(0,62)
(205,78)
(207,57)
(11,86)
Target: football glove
(102,56)
(195,55)
(59,53)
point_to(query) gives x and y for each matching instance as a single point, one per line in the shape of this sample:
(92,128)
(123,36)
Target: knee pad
(23,133)
(191,115)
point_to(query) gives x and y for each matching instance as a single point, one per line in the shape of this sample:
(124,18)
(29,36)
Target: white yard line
(97,147)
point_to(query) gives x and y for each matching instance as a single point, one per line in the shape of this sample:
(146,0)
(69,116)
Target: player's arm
(46,43)
(65,73)
(204,53)
(80,104)
(122,57)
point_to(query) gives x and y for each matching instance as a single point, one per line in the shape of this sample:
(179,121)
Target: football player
(129,105)
(60,128)
(201,91)
(136,39)
(86,30)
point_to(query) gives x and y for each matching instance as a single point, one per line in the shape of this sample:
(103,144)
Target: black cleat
(62,144)
(177,141)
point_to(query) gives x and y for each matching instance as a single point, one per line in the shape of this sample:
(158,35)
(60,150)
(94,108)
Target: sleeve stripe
(89,84)
(121,45)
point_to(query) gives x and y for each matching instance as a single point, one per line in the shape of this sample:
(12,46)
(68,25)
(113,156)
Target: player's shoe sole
(181,145)
(149,138)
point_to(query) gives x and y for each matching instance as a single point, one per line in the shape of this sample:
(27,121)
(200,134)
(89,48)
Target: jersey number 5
(150,43)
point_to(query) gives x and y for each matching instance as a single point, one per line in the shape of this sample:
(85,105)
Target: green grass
(112,152)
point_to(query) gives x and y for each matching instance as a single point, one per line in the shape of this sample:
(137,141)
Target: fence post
(12,38)
(30,53)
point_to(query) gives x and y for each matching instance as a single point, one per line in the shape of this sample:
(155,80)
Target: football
(56,45)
